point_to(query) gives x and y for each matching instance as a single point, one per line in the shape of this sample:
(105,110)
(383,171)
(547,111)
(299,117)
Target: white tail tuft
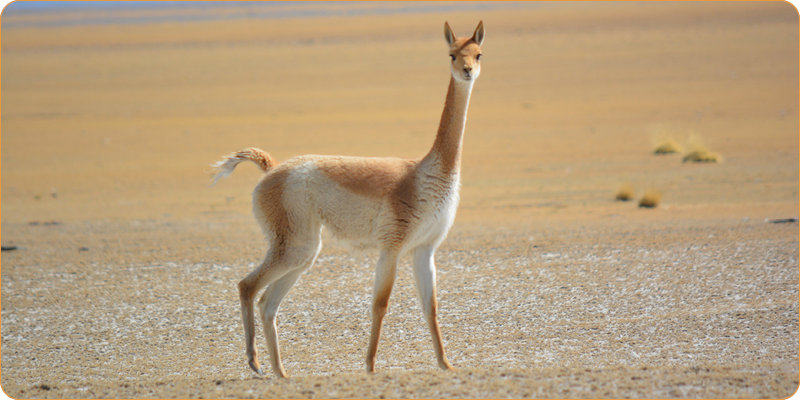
(224,168)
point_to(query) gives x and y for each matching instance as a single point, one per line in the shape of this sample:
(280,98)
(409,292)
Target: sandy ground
(123,281)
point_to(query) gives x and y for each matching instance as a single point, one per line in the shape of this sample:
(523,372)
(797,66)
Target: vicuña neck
(446,151)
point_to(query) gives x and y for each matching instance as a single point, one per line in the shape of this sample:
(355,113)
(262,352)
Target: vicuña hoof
(446,366)
(256,367)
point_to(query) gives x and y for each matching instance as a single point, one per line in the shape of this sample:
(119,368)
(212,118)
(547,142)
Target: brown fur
(448,139)
(264,161)
(269,207)
(383,178)
(371,177)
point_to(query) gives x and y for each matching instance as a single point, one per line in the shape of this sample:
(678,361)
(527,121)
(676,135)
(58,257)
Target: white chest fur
(438,205)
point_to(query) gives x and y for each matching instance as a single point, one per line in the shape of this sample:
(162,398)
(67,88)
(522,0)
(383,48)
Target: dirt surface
(122,280)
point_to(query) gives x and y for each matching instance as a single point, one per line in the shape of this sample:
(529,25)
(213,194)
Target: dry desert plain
(123,279)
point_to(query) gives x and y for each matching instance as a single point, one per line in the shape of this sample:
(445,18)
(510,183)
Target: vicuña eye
(478,57)
(453,57)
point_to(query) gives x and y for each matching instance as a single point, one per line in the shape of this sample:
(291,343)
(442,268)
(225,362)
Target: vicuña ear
(479,34)
(449,35)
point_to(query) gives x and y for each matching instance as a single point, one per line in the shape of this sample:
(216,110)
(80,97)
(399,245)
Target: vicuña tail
(224,168)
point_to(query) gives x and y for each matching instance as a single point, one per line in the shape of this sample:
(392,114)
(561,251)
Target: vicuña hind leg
(385,273)
(425,278)
(269,304)
(280,260)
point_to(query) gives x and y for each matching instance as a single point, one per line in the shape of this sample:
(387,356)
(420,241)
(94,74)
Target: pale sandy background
(123,280)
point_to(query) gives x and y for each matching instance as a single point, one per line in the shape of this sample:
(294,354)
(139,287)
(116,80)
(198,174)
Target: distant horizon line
(45,13)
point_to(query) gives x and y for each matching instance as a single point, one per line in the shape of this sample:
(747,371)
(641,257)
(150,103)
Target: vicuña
(392,204)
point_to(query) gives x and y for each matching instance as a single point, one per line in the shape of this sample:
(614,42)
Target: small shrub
(669,146)
(702,155)
(625,192)
(663,142)
(699,153)
(650,199)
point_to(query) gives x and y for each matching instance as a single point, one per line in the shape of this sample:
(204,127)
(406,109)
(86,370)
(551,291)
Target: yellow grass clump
(650,199)
(702,155)
(699,153)
(668,147)
(663,141)
(625,192)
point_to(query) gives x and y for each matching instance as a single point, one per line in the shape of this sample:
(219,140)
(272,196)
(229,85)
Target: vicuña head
(392,204)
(465,53)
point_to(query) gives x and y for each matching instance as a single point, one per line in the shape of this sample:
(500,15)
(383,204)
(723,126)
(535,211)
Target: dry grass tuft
(702,156)
(669,146)
(699,153)
(625,192)
(650,199)
(663,141)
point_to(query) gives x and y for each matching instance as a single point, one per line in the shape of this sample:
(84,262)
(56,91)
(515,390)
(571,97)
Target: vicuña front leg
(385,273)
(425,278)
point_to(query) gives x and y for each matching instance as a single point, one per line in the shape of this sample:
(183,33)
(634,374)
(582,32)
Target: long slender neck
(446,151)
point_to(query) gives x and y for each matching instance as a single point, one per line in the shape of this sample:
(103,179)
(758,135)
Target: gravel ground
(606,310)
(123,280)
